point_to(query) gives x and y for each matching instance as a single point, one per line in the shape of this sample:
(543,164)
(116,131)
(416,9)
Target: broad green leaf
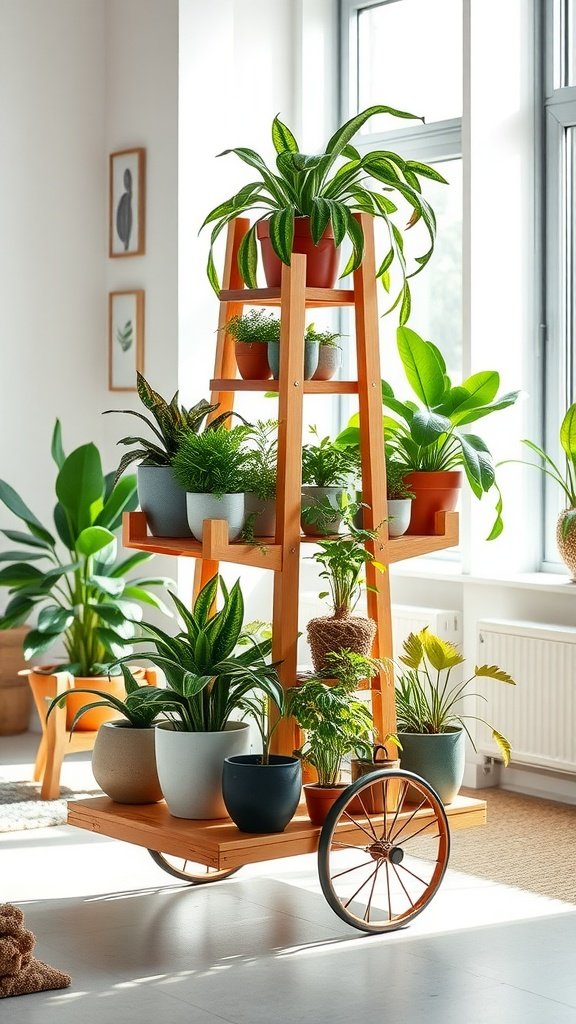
(19,537)
(421,367)
(20,573)
(108,585)
(56,446)
(481,387)
(440,653)
(227,639)
(14,502)
(36,642)
(205,601)
(338,221)
(16,612)
(93,539)
(568,432)
(319,219)
(120,498)
(248,258)
(470,416)
(282,233)
(282,137)
(80,485)
(54,619)
(64,527)
(347,131)
(426,427)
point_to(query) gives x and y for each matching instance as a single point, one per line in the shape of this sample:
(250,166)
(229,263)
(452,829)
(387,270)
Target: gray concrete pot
(265,511)
(312,495)
(310,358)
(190,767)
(329,362)
(209,506)
(124,763)
(163,501)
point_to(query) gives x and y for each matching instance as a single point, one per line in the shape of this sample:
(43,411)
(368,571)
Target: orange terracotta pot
(321,260)
(43,685)
(252,360)
(434,492)
(319,800)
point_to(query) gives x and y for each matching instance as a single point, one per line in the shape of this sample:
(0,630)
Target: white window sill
(451,572)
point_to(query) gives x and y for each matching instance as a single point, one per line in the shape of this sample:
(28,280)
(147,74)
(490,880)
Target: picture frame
(125,339)
(127,225)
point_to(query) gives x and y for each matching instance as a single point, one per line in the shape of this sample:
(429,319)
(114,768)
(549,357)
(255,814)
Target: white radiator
(411,619)
(538,714)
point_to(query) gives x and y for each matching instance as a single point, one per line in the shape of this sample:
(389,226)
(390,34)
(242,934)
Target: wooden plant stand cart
(384,847)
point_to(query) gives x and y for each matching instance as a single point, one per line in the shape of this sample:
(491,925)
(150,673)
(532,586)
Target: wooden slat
(413,545)
(310,387)
(215,546)
(219,843)
(313,297)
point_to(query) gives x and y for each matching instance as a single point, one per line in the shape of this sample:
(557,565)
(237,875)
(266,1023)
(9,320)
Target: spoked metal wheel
(383,850)
(188,870)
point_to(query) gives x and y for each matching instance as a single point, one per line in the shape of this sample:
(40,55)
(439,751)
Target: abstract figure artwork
(127,203)
(125,339)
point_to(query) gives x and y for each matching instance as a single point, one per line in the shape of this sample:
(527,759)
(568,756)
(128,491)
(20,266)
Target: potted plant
(431,723)
(251,332)
(566,480)
(124,755)
(159,494)
(82,595)
(209,467)
(326,473)
(262,791)
(342,561)
(329,352)
(308,205)
(213,669)
(399,498)
(311,356)
(259,476)
(335,724)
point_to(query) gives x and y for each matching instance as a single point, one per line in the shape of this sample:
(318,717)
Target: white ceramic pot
(208,506)
(190,767)
(399,512)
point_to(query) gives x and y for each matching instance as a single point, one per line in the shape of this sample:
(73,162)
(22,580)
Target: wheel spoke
(360,887)
(364,864)
(371,837)
(393,838)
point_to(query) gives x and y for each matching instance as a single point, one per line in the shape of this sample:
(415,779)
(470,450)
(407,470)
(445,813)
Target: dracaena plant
(83,596)
(140,708)
(329,188)
(213,665)
(171,419)
(428,699)
(566,478)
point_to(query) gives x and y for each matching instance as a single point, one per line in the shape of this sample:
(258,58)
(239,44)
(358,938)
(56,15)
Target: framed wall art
(127,235)
(125,339)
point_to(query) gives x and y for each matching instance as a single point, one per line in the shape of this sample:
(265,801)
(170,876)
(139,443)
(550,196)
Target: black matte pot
(261,797)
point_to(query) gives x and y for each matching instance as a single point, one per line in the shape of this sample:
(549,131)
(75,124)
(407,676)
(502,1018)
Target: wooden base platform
(219,844)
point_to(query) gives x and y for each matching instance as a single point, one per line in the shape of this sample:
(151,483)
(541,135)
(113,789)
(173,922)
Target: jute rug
(527,843)
(22,808)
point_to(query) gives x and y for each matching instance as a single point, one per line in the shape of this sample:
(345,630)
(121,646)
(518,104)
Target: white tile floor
(263,946)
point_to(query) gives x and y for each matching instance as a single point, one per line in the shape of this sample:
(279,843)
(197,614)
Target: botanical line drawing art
(125,335)
(124,216)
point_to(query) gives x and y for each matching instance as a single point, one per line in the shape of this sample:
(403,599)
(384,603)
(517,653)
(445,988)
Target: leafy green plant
(566,480)
(213,666)
(254,326)
(430,437)
(327,338)
(427,701)
(140,708)
(170,420)
(335,723)
(261,454)
(396,489)
(212,462)
(83,597)
(326,465)
(329,188)
(342,562)
(351,668)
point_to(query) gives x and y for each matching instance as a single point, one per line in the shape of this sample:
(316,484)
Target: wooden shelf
(414,545)
(215,546)
(219,843)
(310,387)
(313,297)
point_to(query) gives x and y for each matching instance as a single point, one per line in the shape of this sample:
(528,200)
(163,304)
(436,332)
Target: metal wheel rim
(386,867)
(189,871)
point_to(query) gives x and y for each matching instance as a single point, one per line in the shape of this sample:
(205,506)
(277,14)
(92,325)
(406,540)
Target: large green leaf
(108,585)
(19,537)
(123,492)
(421,367)
(462,417)
(233,618)
(54,619)
(19,574)
(347,131)
(281,226)
(478,463)
(204,603)
(93,539)
(481,388)
(248,258)
(16,612)
(426,427)
(56,446)
(36,642)
(14,502)
(282,138)
(568,433)
(80,485)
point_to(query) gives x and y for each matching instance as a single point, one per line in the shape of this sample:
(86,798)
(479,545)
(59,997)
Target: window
(558,27)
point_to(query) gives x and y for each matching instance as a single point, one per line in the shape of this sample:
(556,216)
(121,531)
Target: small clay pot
(321,260)
(319,800)
(124,763)
(434,492)
(252,360)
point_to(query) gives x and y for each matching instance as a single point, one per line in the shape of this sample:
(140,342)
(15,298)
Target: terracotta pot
(43,686)
(321,260)
(124,763)
(567,545)
(319,800)
(326,634)
(252,360)
(329,362)
(435,492)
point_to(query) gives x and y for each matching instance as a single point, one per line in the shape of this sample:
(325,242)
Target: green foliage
(169,419)
(83,597)
(395,486)
(259,473)
(329,189)
(140,708)
(351,668)
(327,338)
(566,480)
(212,462)
(326,465)
(213,666)
(342,562)
(426,699)
(256,325)
(429,436)
(335,724)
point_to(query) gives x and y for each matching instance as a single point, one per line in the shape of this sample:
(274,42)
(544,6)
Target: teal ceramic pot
(310,359)
(261,798)
(438,758)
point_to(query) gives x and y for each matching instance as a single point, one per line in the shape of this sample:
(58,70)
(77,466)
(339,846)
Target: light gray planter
(312,495)
(329,362)
(163,501)
(190,767)
(311,356)
(399,512)
(438,758)
(208,506)
(265,509)
(124,763)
